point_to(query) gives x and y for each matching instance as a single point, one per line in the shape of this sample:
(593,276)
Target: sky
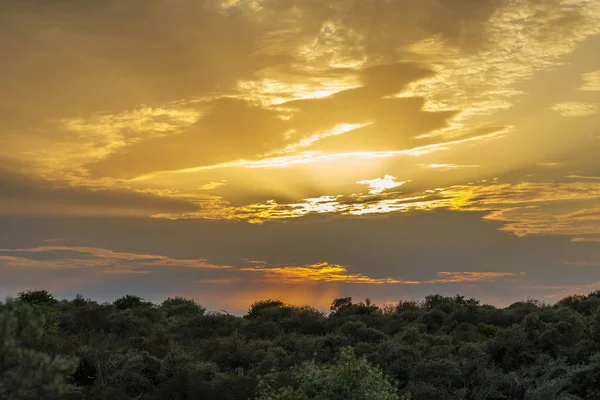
(237,150)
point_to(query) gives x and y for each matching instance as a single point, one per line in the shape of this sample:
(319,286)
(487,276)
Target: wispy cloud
(584,177)
(575,109)
(585,263)
(524,208)
(212,185)
(108,261)
(551,164)
(322,272)
(66,257)
(462,277)
(447,167)
(558,292)
(591,82)
(325,272)
(586,239)
(380,185)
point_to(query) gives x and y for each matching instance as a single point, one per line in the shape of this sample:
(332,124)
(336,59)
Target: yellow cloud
(325,272)
(320,88)
(447,167)
(575,109)
(380,185)
(321,272)
(591,82)
(279,87)
(583,177)
(335,131)
(212,185)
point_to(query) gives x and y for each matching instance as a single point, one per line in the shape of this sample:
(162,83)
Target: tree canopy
(445,348)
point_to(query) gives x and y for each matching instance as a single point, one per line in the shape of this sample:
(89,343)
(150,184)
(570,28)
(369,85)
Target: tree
(259,307)
(350,378)
(26,373)
(179,307)
(341,304)
(130,302)
(37,297)
(44,305)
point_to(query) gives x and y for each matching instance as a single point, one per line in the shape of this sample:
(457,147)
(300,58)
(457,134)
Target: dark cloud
(22,194)
(416,246)
(46,255)
(393,245)
(71,58)
(81,61)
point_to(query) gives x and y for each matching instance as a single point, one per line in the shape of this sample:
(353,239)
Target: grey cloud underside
(397,245)
(23,195)
(48,255)
(416,245)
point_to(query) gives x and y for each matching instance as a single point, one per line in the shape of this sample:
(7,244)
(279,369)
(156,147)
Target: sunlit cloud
(146,121)
(322,272)
(434,107)
(273,92)
(380,185)
(325,272)
(591,82)
(101,135)
(489,88)
(575,109)
(551,164)
(106,261)
(337,130)
(212,185)
(524,208)
(447,167)
(315,157)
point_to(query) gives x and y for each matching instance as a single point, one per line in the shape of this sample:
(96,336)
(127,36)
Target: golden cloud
(575,109)
(321,272)
(591,82)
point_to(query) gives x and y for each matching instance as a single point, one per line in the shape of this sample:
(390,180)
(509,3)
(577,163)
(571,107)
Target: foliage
(444,348)
(350,378)
(25,372)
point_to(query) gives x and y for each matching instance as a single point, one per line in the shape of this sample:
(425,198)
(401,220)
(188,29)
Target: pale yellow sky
(265,115)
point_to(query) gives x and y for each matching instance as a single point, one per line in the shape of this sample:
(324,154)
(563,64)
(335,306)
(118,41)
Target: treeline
(440,348)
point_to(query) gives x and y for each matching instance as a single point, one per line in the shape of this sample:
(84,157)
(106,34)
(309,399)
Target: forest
(439,348)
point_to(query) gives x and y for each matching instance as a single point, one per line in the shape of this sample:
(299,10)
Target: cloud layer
(225,122)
